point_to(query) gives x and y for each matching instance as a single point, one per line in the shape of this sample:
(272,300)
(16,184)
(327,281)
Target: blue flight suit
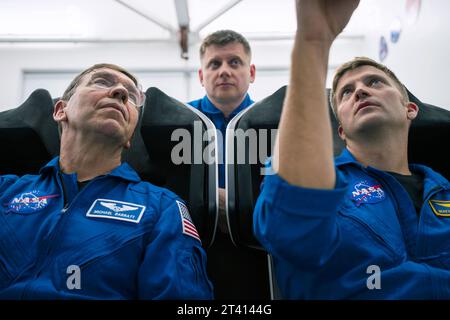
(220,122)
(333,244)
(117,238)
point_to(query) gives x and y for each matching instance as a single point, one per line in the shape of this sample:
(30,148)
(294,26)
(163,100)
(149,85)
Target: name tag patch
(367,191)
(440,207)
(117,210)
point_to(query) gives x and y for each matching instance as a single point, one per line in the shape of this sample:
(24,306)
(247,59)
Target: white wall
(420,58)
(26,68)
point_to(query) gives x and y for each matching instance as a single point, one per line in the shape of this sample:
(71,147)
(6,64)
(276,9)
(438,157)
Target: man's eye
(101,82)
(134,99)
(234,62)
(345,93)
(374,82)
(214,64)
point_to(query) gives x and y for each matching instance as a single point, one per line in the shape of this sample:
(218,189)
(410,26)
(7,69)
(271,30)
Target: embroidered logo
(29,202)
(367,192)
(440,207)
(117,210)
(188,226)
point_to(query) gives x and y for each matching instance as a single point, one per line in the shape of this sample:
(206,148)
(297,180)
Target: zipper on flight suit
(43,258)
(64,191)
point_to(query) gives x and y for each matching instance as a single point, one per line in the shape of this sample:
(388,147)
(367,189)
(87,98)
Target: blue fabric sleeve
(298,224)
(174,265)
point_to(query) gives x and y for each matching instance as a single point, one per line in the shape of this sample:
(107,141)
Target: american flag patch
(188,225)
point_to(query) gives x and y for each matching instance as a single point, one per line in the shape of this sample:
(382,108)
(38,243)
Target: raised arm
(303,154)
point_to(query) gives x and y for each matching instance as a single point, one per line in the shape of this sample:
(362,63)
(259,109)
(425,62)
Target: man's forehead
(359,73)
(228,50)
(104,71)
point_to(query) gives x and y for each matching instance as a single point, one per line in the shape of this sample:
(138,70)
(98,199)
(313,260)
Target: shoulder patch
(186,221)
(117,210)
(440,208)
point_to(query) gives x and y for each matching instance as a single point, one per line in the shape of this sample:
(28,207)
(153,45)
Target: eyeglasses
(107,81)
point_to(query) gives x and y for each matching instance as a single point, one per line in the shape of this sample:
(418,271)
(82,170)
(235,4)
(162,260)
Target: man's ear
(200,76)
(59,112)
(341,132)
(252,73)
(412,110)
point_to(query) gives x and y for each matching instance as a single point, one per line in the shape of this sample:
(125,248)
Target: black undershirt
(82,184)
(413,185)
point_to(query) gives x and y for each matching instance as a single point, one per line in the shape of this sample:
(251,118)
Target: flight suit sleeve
(298,224)
(174,265)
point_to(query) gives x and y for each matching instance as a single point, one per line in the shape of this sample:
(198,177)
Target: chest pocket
(434,232)
(104,261)
(379,222)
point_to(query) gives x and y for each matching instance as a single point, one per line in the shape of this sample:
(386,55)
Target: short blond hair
(359,62)
(222,38)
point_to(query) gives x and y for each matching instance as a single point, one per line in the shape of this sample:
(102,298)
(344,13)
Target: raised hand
(323,20)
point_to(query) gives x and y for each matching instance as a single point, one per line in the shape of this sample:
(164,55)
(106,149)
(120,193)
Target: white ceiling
(149,20)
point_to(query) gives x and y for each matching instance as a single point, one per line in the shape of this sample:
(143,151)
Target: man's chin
(111,130)
(370,124)
(227,99)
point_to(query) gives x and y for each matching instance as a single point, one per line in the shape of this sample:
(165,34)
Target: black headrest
(425,141)
(428,137)
(28,135)
(151,154)
(161,116)
(425,136)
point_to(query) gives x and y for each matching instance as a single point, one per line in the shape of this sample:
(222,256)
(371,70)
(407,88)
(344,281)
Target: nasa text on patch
(30,202)
(188,226)
(367,191)
(440,207)
(117,210)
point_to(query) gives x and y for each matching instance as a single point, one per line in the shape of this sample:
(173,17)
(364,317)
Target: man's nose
(361,93)
(224,70)
(119,92)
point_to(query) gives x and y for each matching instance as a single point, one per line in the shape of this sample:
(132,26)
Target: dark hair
(222,38)
(76,81)
(359,62)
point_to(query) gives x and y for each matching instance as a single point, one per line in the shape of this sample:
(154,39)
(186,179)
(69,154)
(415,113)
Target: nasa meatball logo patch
(30,202)
(367,191)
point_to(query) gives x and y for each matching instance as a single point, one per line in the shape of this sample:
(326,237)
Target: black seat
(243,178)
(249,141)
(154,148)
(243,174)
(28,135)
(428,137)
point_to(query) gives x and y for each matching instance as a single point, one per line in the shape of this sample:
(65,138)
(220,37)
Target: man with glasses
(87,227)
